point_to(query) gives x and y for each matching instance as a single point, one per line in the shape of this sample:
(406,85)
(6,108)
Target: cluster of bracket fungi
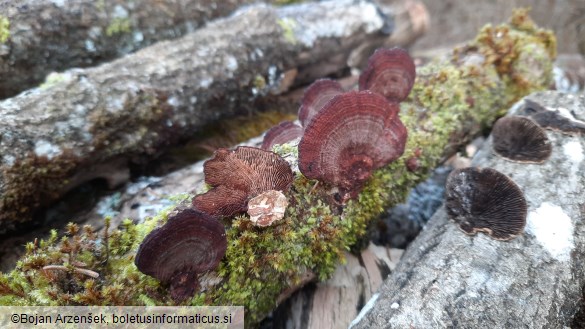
(485,200)
(344,137)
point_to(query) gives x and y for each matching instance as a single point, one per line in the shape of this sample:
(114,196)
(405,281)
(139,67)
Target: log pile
(93,123)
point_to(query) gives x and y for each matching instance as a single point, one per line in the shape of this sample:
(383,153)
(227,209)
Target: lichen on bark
(452,100)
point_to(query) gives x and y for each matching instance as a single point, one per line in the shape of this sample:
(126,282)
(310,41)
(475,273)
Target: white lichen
(44,148)
(553,229)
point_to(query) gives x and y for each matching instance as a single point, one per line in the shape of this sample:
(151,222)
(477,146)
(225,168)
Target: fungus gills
(520,139)
(190,243)
(354,134)
(316,96)
(389,72)
(552,120)
(485,200)
(239,175)
(284,132)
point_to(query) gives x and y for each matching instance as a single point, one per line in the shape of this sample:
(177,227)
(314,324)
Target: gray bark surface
(48,36)
(91,123)
(447,279)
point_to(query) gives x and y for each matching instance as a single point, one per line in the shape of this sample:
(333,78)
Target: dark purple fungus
(189,243)
(239,175)
(485,200)
(353,134)
(316,96)
(282,133)
(389,72)
(552,119)
(520,139)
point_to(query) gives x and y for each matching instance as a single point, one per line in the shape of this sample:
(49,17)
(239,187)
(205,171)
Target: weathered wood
(447,279)
(50,36)
(55,137)
(334,303)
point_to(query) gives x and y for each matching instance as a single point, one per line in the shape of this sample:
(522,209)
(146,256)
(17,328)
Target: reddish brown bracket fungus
(485,200)
(188,244)
(284,132)
(552,119)
(316,96)
(354,133)
(239,175)
(390,72)
(520,139)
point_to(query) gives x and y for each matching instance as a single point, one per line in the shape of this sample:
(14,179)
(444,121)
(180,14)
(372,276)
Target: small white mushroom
(267,208)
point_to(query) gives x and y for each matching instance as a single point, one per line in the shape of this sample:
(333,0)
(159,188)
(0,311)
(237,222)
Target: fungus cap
(354,134)
(316,96)
(485,200)
(189,243)
(552,119)
(282,133)
(389,72)
(239,175)
(520,139)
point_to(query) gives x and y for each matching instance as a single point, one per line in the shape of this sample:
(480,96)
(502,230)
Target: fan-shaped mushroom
(316,96)
(552,119)
(188,244)
(239,175)
(353,134)
(284,132)
(485,200)
(389,72)
(520,139)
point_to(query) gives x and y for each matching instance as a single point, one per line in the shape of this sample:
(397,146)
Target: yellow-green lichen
(4,29)
(53,79)
(451,101)
(118,26)
(288,26)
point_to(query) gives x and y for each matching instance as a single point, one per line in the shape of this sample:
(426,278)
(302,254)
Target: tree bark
(447,279)
(51,36)
(86,120)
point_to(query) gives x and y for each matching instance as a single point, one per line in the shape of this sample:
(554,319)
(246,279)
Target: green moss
(118,26)
(469,90)
(4,29)
(288,25)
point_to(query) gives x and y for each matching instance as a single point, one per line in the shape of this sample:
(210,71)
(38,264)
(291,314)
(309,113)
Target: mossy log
(42,36)
(91,123)
(451,101)
(447,279)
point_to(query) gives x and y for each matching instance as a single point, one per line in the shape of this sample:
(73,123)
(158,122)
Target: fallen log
(447,279)
(450,103)
(91,123)
(45,36)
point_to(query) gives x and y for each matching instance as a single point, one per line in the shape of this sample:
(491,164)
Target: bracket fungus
(315,97)
(284,132)
(239,175)
(389,72)
(520,139)
(354,134)
(190,243)
(552,119)
(485,200)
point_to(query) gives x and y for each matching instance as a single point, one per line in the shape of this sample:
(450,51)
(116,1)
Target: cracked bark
(48,36)
(449,279)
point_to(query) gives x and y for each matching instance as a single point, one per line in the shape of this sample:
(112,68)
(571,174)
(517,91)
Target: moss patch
(4,29)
